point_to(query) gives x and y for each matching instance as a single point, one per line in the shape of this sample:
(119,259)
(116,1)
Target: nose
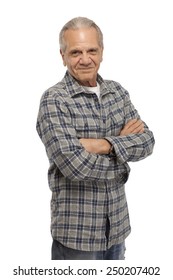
(85,59)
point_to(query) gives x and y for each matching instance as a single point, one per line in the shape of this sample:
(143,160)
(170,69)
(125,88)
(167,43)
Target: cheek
(71,62)
(74,65)
(97,62)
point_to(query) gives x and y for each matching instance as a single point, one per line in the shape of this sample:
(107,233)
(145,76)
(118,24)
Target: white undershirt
(96,90)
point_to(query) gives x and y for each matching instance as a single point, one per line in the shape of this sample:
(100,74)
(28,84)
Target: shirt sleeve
(63,148)
(133,147)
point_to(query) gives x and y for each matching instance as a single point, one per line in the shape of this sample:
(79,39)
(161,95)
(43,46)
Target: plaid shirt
(87,189)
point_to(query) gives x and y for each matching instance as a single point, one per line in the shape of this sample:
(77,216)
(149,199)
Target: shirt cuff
(119,150)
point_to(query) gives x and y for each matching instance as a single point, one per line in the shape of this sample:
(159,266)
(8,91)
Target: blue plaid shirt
(87,189)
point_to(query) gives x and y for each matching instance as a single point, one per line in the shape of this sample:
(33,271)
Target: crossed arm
(102,146)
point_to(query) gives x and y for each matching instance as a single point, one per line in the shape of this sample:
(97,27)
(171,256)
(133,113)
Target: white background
(138,54)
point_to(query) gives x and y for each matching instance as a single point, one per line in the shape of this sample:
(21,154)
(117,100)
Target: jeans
(60,252)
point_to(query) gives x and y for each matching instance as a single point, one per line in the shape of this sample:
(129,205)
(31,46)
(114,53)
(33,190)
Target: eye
(93,51)
(75,53)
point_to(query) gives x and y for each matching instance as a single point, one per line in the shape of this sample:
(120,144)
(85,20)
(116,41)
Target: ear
(62,54)
(101,56)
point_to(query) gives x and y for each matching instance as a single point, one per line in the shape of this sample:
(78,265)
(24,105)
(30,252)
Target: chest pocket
(86,122)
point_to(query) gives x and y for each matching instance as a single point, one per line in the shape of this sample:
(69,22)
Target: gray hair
(77,23)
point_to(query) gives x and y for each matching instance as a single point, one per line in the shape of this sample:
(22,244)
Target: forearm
(132,147)
(134,143)
(103,146)
(96,146)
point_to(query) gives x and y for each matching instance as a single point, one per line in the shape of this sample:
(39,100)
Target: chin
(86,78)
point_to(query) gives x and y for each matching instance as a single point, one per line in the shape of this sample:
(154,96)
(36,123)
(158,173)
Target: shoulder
(54,92)
(116,88)
(52,100)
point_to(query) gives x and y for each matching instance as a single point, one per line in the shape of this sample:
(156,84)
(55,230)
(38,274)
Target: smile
(85,69)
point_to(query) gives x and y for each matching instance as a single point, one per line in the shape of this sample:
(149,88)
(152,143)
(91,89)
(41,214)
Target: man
(90,130)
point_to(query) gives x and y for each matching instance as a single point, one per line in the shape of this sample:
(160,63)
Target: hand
(95,146)
(133,126)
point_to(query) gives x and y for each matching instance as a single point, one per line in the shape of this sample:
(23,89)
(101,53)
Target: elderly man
(91,131)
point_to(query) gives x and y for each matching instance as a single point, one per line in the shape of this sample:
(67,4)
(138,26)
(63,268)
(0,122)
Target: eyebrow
(75,50)
(89,49)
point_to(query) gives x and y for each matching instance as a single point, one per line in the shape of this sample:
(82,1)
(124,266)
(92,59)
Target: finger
(133,126)
(136,126)
(139,128)
(142,130)
(130,123)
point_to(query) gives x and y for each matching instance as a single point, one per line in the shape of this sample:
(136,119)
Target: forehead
(83,37)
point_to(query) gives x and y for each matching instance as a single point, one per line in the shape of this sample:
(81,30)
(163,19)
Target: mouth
(85,69)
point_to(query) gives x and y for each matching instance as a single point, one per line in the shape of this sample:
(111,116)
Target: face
(82,55)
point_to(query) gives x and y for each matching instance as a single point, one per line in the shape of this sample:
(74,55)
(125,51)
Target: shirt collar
(74,88)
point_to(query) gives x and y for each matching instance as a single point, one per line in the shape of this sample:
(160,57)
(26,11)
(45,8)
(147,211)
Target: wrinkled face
(82,55)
